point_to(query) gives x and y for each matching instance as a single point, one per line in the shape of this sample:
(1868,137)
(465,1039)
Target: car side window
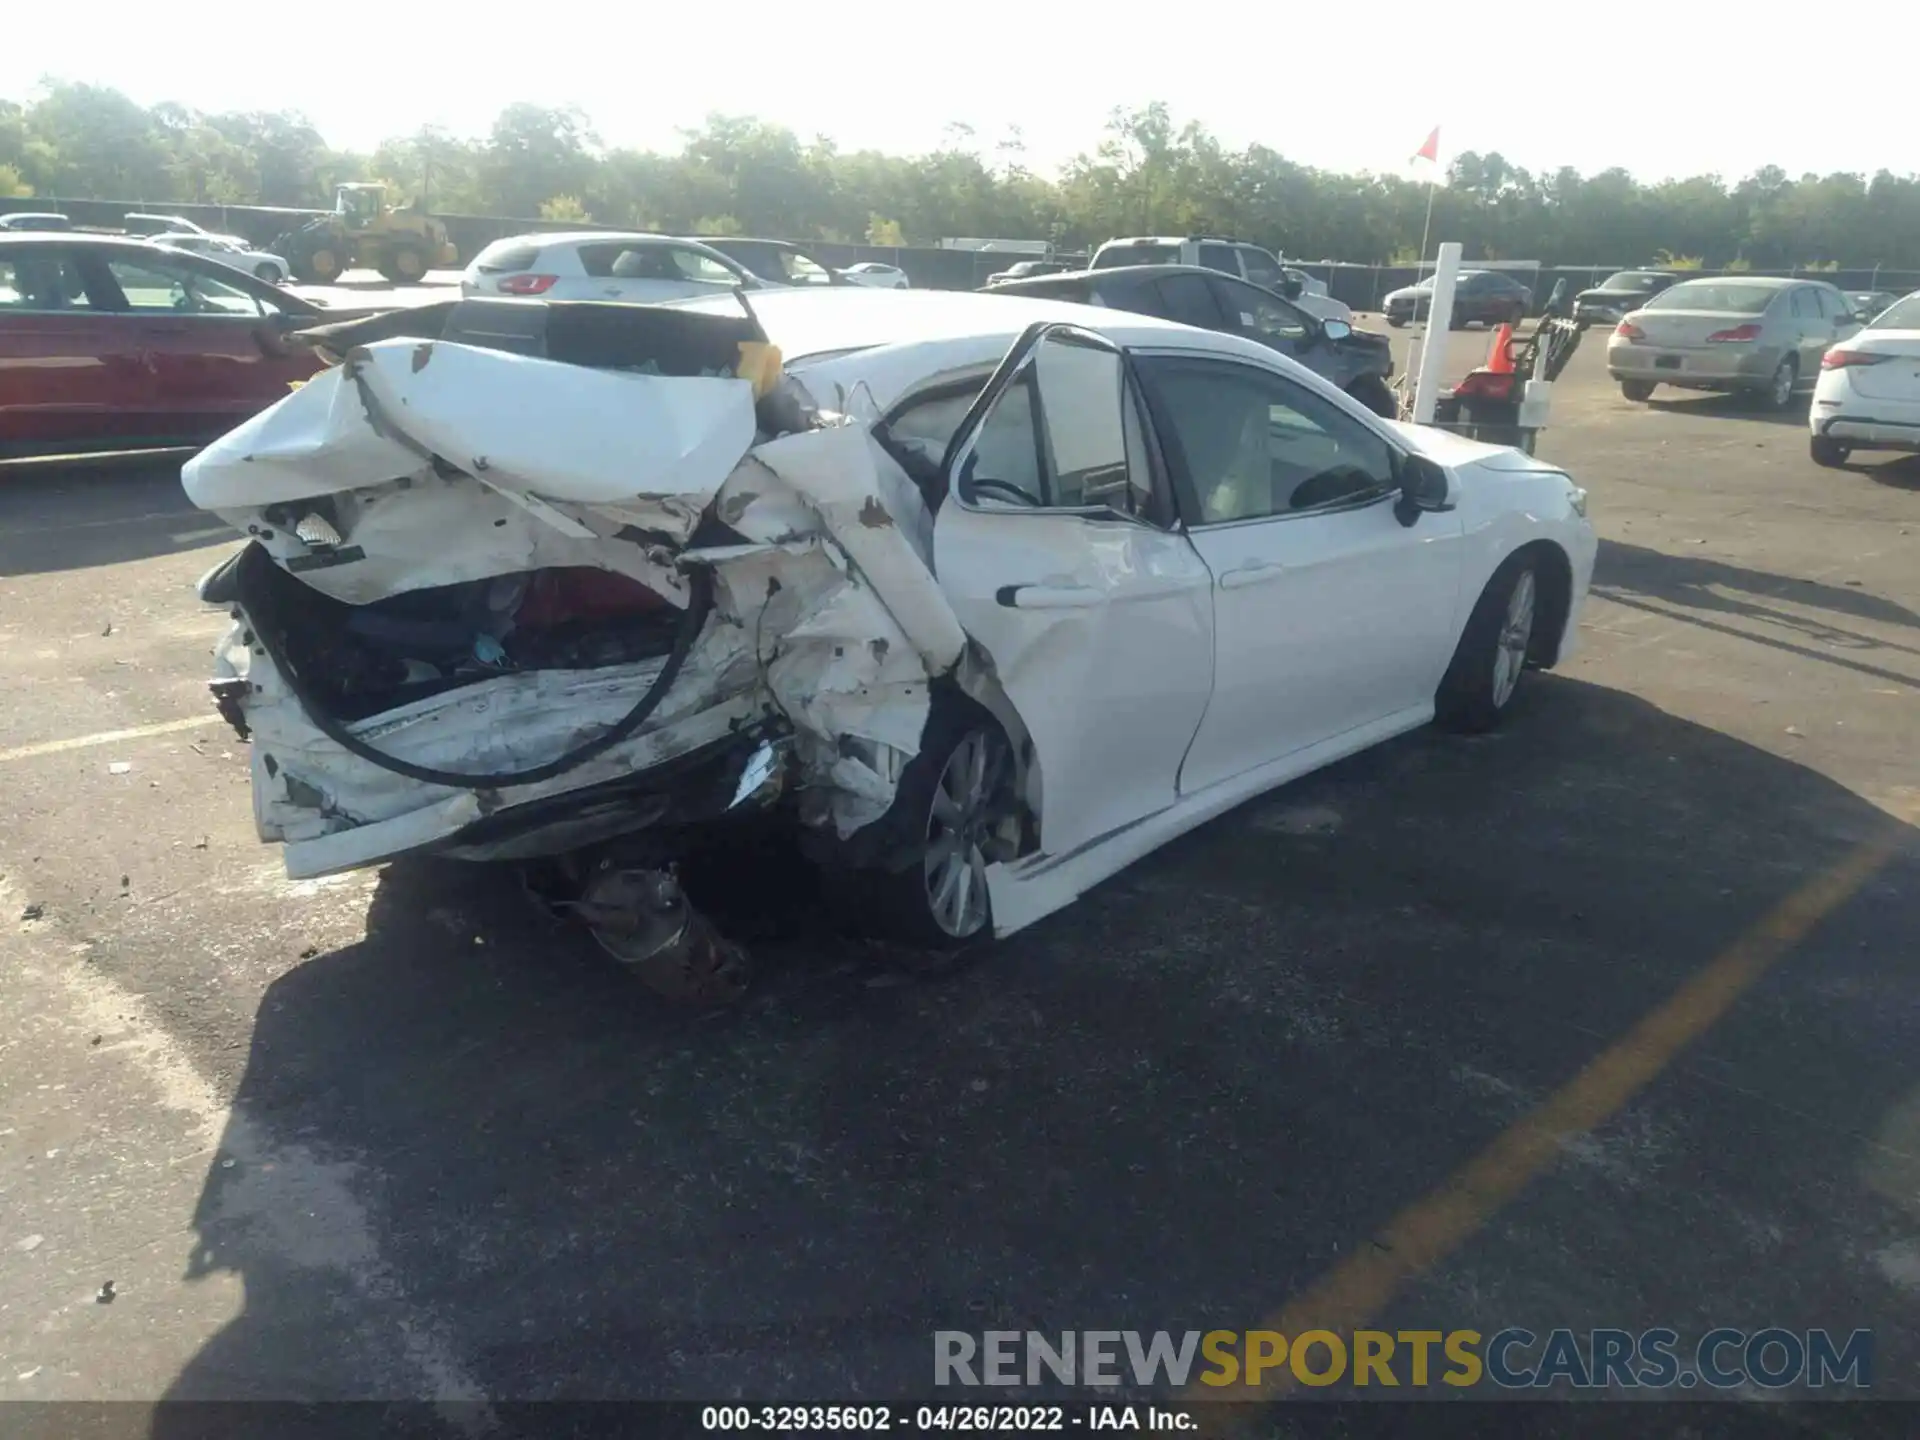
(692,265)
(1066,434)
(1220,257)
(1804,307)
(1188,299)
(1262,268)
(1258,315)
(1248,444)
(42,280)
(148,286)
(1834,305)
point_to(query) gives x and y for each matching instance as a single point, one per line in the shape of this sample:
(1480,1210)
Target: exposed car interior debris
(508,559)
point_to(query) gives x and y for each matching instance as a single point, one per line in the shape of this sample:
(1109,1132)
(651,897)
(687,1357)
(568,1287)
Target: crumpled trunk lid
(420,464)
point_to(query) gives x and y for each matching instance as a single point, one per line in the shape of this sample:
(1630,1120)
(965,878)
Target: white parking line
(105,737)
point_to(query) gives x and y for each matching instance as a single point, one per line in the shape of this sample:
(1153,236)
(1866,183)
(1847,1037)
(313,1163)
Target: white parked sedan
(1868,393)
(999,595)
(602,265)
(876,276)
(262,263)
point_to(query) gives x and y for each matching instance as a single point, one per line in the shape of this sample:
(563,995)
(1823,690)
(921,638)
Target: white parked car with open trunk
(996,595)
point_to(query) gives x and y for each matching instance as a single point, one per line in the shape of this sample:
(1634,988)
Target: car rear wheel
(1479,686)
(1830,453)
(955,814)
(1637,390)
(1779,392)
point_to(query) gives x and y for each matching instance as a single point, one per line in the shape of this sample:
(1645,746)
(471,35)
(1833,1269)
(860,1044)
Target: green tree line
(1148,174)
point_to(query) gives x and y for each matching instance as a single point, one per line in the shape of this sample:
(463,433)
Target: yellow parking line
(1432,1228)
(105,737)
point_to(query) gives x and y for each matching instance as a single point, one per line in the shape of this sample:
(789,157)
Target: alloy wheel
(960,823)
(1516,633)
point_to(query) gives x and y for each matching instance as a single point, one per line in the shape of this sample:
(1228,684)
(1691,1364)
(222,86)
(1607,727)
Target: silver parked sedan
(1749,333)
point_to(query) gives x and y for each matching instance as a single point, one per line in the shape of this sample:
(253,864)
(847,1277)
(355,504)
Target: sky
(1709,91)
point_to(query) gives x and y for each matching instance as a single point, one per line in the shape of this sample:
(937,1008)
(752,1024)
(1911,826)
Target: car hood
(1408,292)
(1457,452)
(1630,298)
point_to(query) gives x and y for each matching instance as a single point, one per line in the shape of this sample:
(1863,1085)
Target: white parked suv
(602,265)
(1231,257)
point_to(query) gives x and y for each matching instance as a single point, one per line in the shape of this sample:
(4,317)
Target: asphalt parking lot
(1606,1020)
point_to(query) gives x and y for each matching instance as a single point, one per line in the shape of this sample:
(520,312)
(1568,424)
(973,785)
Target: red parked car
(113,344)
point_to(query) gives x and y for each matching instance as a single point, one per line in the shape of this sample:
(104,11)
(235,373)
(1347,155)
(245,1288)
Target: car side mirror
(1424,486)
(1335,330)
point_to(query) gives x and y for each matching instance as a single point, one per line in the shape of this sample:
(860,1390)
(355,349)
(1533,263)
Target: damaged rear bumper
(399,496)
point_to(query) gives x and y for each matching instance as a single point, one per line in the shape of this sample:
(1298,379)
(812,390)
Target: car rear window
(1631,280)
(1901,315)
(1111,256)
(506,257)
(1718,297)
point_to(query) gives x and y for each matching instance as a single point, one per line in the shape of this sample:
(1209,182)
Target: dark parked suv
(1484,295)
(1355,360)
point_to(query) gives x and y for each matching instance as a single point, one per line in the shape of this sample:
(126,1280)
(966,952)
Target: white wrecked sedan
(994,596)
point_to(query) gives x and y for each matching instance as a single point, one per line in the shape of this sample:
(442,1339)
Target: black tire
(404,265)
(324,265)
(1637,391)
(1482,683)
(1396,324)
(267,272)
(1778,394)
(1831,454)
(901,904)
(1373,392)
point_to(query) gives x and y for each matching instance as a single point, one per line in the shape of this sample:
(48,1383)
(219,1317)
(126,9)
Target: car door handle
(1049,597)
(1254,572)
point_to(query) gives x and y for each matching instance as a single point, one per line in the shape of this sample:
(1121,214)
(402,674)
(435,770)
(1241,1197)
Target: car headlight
(1577,498)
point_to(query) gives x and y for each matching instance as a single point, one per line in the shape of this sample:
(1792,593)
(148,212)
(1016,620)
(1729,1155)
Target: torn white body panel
(828,616)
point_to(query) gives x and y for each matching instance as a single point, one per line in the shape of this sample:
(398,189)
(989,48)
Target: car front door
(1057,548)
(72,375)
(1262,316)
(1812,330)
(216,351)
(1839,311)
(1333,606)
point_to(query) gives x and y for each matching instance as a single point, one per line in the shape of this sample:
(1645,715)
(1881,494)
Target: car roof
(1145,272)
(79,237)
(1769,282)
(823,321)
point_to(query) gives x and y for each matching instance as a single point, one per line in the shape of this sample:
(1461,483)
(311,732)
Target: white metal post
(1426,390)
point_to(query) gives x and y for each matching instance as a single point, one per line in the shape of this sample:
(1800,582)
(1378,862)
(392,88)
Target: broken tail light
(527,284)
(1850,359)
(1630,331)
(1738,335)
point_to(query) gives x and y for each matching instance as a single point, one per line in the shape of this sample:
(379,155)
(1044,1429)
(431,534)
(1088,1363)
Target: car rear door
(216,350)
(72,375)
(1057,548)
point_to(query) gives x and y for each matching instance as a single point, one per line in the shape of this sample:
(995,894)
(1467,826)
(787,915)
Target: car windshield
(1460,279)
(1140,254)
(1901,315)
(1631,280)
(1719,297)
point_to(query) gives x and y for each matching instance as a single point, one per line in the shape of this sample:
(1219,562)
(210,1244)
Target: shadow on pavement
(99,512)
(1730,406)
(1173,1105)
(1901,474)
(1633,575)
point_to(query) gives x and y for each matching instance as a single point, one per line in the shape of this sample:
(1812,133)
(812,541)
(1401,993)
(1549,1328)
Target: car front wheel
(1479,686)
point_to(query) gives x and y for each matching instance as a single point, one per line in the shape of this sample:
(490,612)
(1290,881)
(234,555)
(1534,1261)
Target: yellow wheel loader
(365,233)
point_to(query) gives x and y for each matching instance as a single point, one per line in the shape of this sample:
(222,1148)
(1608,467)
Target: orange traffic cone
(1501,361)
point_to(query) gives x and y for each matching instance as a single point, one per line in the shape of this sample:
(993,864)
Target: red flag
(1430,150)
